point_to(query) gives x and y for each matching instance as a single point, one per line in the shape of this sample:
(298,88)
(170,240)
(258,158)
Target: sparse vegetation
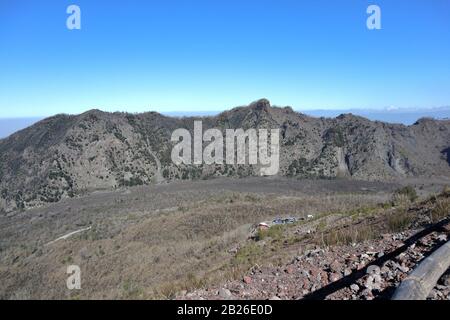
(171,238)
(399,221)
(441,209)
(407,193)
(274,233)
(347,235)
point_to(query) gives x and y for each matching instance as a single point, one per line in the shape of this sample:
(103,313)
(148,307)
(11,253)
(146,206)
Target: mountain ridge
(66,155)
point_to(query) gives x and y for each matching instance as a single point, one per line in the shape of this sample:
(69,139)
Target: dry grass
(348,235)
(155,256)
(441,209)
(399,221)
(144,254)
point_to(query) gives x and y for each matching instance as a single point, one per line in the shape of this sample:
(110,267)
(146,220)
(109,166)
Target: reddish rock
(314,273)
(352,258)
(308,274)
(335,266)
(247,280)
(334,277)
(324,278)
(347,271)
(289,269)
(305,284)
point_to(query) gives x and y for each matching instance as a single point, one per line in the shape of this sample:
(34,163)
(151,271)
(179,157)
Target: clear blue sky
(201,55)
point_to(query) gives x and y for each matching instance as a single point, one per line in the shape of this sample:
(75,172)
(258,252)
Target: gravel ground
(367,271)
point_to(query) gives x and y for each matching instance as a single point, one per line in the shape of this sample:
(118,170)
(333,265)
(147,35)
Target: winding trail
(68,235)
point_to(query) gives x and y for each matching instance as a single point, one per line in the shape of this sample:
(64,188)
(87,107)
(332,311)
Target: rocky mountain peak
(260,105)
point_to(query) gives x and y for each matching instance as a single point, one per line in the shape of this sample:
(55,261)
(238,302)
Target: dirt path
(68,235)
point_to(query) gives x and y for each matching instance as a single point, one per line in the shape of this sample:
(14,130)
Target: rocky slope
(67,155)
(367,270)
(315,274)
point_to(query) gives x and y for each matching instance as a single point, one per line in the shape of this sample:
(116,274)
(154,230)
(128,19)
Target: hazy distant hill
(403,116)
(64,155)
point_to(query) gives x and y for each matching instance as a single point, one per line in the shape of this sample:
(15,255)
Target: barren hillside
(67,155)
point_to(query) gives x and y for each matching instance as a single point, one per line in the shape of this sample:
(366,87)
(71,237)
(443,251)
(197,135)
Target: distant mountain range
(66,155)
(405,116)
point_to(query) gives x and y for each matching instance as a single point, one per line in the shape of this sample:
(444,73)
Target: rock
(373,269)
(304,283)
(305,273)
(347,272)
(247,280)
(373,281)
(403,268)
(402,257)
(432,295)
(385,270)
(323,278)
(335,266)
(397,237)
(334,277)
(424,242)
(364,256)
(289,269)
(314,273)
(354,287)
(225,293)
(246,293)
(445,280)
(274,298)
(369,283)
(367,294)
(361,265)
(398,267)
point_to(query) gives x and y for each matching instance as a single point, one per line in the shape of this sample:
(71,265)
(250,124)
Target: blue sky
(204,55)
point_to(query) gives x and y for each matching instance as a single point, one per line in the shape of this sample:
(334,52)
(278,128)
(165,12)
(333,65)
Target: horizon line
(216,111)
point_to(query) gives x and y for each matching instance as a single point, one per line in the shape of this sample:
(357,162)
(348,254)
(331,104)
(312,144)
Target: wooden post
(418,285)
